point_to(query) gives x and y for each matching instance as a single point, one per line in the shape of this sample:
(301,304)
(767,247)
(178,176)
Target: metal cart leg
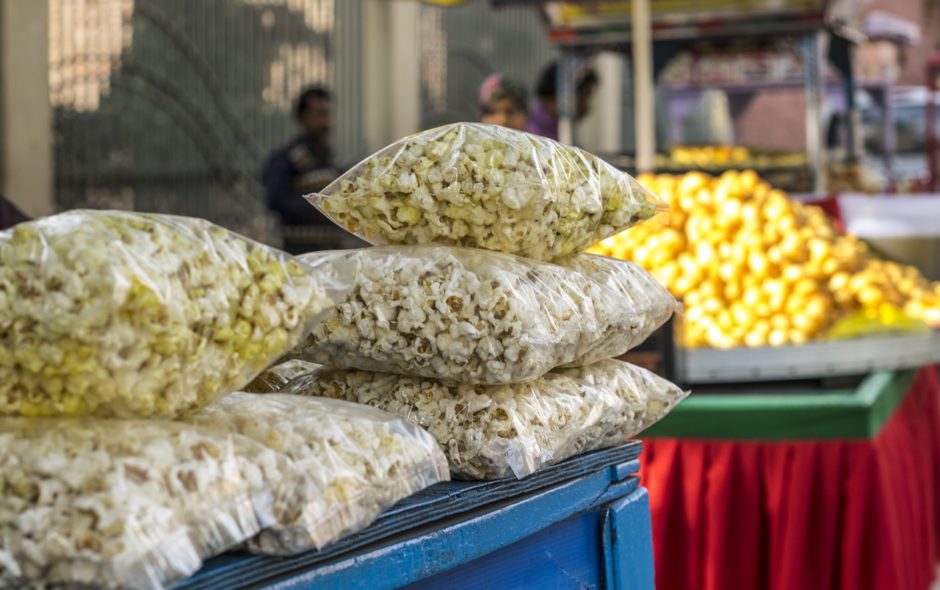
(933,67)
(840,55)
(811,48)
(890,136)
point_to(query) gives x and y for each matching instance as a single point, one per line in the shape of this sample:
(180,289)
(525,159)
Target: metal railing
(172,105)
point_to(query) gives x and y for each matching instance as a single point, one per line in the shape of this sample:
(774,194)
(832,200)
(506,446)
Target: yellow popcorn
(485,186)
(124,314)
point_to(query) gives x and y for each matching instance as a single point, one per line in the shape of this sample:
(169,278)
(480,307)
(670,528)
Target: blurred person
(303,166)
(835,132)
(543,117)
(503,102)
(9,214)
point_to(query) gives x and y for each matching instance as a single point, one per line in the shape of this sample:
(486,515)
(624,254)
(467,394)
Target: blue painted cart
(584,523)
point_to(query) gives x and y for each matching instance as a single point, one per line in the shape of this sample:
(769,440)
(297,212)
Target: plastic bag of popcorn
(123,314)
(629,302)
(494,431)
(475,316)
(648,398)
(275,377)
(485,186)
(354,461)
(125,503)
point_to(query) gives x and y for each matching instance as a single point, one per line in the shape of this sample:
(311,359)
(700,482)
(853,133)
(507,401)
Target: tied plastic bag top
(354,462)
(125,503)
(275,377)
(485,186)
(126,314)
(496,431)
(469,315)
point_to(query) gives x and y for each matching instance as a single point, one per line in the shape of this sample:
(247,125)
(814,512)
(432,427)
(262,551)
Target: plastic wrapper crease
(277,376)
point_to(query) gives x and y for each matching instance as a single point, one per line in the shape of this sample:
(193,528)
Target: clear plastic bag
(353,462)
(485,186)
(629,303)
(123,314)
(274,378)
(475,316)
(125,503)
(496,431)
(647,396)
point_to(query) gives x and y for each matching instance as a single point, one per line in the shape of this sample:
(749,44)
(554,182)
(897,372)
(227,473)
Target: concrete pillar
(26,174)
(391,71)
(405,67)
(643,85)
(601,131)
(375,74)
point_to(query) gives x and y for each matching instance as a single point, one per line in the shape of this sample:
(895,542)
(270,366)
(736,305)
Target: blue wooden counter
(584,523)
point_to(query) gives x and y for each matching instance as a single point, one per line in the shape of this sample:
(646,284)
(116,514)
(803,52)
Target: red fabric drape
(852,515)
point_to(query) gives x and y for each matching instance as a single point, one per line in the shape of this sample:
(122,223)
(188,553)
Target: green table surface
(782,413)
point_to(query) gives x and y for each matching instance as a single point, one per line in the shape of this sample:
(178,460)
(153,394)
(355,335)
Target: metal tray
(808,361)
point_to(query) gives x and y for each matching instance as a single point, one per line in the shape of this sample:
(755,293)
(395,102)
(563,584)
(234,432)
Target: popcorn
(476,316)
(273,378)
(501,430)
(354,462)
(126,314)
(485,186)
(629,302)
(648,397)
(125,503)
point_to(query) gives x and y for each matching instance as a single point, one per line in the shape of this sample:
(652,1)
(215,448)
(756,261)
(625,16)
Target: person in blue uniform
(304,166)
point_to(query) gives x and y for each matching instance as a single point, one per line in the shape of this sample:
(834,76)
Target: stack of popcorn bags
(476,316)
(126,459)
(131,449)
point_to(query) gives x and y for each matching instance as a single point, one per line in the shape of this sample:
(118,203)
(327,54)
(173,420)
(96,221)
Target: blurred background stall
(796,142)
